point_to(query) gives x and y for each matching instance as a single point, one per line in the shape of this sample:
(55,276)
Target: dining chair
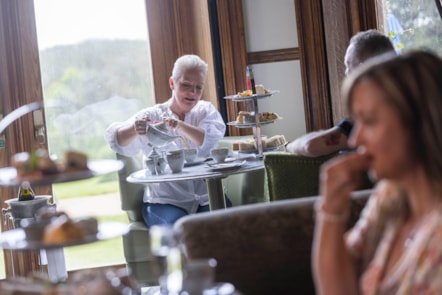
(136,243)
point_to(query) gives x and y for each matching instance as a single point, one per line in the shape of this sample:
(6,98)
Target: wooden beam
(276,55)
(313,65)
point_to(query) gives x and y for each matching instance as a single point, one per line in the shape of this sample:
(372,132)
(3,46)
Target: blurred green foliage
(89,85)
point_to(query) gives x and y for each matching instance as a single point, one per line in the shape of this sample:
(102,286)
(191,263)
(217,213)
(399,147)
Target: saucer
(225,166)
(226,160)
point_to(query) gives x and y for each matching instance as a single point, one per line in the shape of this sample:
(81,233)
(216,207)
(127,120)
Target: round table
(212,174)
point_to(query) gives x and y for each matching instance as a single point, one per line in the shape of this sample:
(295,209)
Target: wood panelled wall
(175,28)
(234,56)
(20,84)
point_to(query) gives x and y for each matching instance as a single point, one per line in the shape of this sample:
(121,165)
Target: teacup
(219,154)
(190,155)
(175,159)
(199,275)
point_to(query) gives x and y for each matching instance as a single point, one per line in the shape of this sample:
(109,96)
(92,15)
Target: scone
(240,117)
(247,146)
(268,116)
(22,162)
(62,230)
(74,161)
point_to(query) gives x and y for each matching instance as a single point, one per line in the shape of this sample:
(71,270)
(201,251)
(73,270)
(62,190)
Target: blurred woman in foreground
(396,246)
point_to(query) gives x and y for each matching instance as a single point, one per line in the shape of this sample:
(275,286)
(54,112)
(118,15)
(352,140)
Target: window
(95,68)
(412,24)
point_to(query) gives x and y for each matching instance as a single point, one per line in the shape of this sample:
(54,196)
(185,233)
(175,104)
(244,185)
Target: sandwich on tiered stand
(255,119)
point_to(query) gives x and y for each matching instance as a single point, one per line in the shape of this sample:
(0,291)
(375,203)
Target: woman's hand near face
(339,177)
(330,259)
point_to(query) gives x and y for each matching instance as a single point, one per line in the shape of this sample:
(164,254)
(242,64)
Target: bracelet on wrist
(321,214)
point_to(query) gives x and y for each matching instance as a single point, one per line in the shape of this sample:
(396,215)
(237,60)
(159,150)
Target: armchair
(292,176)
(136,243)
(262,248)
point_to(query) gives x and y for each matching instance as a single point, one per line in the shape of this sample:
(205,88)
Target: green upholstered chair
(292,176)
(136,243)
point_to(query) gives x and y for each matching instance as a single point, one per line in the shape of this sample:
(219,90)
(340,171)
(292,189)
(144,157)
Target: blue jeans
(157,214)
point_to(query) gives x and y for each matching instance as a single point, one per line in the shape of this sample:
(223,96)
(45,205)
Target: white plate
(248,125)
(225,166)
(197,161)
(226,160)
(8,175)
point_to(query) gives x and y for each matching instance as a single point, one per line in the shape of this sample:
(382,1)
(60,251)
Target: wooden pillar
(20,83)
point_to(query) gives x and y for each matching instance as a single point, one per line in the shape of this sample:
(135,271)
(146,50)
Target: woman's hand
(193,133)
(171,123)
(140,125)
(339,177)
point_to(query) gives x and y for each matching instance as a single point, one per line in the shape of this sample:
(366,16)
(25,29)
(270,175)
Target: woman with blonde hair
(396,246)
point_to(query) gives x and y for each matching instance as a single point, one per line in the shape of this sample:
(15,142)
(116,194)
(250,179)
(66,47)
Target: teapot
(158,135)
(156,165)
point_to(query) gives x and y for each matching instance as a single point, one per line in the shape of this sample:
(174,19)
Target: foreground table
(16,239)
(213,177)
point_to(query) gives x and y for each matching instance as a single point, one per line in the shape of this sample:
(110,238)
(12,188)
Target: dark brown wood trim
(338,31)
(276,55)
(163,44)
(342,20)
(234,56)
(313,62)
(168,22)
(20,84)
(368,15)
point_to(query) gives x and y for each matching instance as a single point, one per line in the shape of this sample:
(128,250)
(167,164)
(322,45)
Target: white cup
(175,159)
(190,155)
(199,275)
(219,155)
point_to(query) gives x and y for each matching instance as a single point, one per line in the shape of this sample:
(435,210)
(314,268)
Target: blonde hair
(188,62)
(412,84)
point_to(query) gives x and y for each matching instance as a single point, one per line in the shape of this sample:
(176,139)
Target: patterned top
(419,269)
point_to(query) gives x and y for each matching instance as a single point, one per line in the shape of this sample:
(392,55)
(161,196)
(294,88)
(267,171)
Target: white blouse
(187,194)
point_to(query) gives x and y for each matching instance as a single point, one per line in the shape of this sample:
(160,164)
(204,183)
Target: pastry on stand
(253,119)
(38,169)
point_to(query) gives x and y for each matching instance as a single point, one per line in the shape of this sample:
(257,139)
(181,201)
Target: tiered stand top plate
(8,175)
(236,97)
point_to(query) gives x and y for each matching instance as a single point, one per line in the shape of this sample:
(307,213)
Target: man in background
(362,46)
